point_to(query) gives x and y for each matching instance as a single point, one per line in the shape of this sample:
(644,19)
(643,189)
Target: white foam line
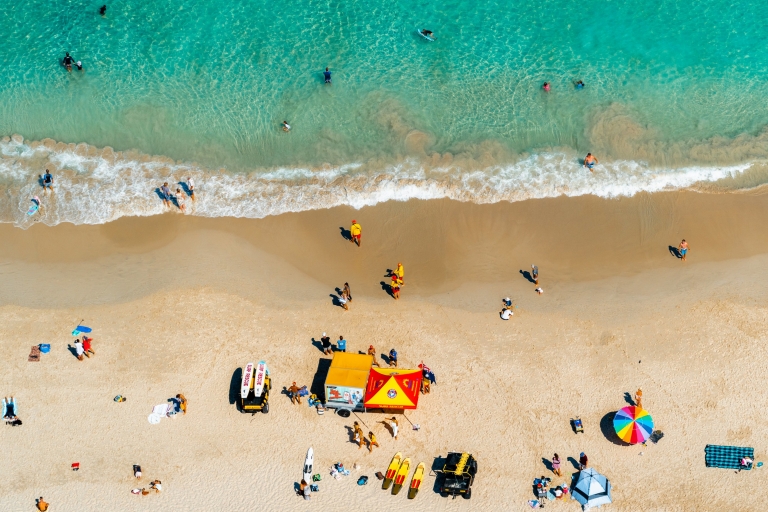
(103,188)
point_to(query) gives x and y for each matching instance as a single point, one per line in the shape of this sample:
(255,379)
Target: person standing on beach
(42,506)
(535,274)
(355,232)
(165,192)
(399,271)
(639,398)
(348,292)
(372,352)
(583,461)
(683,248)
(393,358)
(293,391)
(341,345)
(393,424)
(590,161)
(372,442)
(327,347)
(343,301)
(191,187)
(395,286)
(556,465)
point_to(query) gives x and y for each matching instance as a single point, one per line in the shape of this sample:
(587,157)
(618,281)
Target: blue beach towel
(727,457)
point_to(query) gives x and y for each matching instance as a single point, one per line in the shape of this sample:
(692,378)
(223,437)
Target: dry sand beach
(178,304)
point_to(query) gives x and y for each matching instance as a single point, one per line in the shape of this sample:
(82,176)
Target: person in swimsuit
(47,180)
(327,75)
(286,126)
(180,201)
(590,161)
(191,186)
(428,33)
(68,61)
(579,84)
(546,87)
(683,248)
(348,292)
(372,352)
(79,65)
(556,465)
(165,192)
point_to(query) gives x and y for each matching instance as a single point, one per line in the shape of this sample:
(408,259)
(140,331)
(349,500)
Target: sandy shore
(178,304)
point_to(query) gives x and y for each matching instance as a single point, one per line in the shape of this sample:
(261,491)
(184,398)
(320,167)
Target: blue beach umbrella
(592,489)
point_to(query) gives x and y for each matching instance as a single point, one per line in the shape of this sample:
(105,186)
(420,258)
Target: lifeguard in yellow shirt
(356,232)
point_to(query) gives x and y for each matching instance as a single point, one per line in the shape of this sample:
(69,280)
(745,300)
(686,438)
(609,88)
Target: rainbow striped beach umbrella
(633,424)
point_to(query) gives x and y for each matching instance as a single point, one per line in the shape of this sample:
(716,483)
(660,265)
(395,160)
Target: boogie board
(309,463)
(258,385)
(422,34)
(33,209)
(247,376)
(418,476)
(392,470)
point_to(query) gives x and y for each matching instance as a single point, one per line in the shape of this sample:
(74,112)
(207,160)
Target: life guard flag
(392,388)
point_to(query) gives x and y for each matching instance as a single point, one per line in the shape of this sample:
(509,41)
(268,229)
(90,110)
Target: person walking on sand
(293,391)
(393,424)
(359,437)
(165,193)
(393,358)
(399,271)
(347,291)
(556,465)
(47,181)
(583,461)
(87,346)
(372,352)
(355,232)
(191,187)
(79,351)
(343,301)
(327,347)
(535,274)
(395,286)
(180,201)
(683,248)
(590,161)
(372,442)
(639,398)
(42,506)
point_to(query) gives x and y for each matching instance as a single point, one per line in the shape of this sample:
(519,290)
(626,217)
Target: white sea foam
(97,186)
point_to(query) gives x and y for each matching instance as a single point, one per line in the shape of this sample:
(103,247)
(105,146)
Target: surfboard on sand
(392,470)
(246,384)
(418,476)
(258,376)
(402,473)
(309,465)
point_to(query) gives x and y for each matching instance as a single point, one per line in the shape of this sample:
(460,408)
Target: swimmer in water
(68,62)
(590,161)
(79,65)
(427,33)
(286,126)
(103,10)
(579,84)
(327,75)
(546,86)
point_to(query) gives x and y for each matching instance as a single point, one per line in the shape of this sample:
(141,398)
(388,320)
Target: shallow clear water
(670,87)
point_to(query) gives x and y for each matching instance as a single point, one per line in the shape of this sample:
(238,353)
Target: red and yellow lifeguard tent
(392,388)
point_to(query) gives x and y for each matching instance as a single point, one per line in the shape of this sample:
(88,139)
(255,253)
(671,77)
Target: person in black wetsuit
(103,10)
(68,62)
(327,75)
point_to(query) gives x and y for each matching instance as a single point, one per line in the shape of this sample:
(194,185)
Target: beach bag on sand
(362,480)
(379,475)
(316,477)
(314,488)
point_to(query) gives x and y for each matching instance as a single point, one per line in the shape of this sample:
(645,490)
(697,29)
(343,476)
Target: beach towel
(727,457)
(161,410)
(34,354)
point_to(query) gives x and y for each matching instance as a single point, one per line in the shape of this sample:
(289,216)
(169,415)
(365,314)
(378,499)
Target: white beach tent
(592,489)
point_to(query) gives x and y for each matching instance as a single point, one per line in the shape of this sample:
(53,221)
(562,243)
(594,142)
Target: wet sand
(178,304)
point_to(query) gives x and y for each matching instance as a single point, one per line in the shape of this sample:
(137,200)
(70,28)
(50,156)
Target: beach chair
(577,425)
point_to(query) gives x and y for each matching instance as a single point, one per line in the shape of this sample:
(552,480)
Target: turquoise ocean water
(674,98)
